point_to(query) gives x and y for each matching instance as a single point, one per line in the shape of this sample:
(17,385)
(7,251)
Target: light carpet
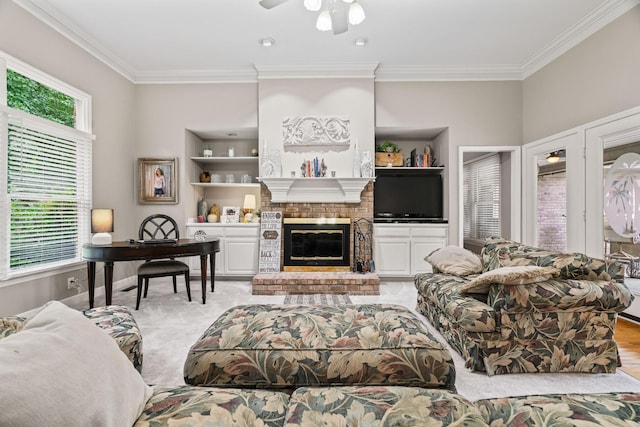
(170,325)
(320,299)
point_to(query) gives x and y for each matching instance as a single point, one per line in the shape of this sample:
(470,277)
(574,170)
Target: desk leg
(91,277)
(212,260)
(108,282)
(203,273)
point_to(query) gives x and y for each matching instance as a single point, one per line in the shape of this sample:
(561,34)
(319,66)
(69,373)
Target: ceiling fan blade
(268,4)
(339,18)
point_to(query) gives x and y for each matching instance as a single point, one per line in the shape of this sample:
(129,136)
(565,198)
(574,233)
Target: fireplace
(316,244)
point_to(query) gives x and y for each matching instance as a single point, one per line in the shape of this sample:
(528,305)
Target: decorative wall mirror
(622,196)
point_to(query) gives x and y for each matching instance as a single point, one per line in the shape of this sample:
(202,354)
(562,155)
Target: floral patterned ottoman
(288,346)
(380,406)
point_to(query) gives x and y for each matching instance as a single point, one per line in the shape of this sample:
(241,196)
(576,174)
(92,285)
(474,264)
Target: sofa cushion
(454,260)
(201,406)
(514,275)
(61,369)
(498,252)
(380,406)
(598,409)
(464,311)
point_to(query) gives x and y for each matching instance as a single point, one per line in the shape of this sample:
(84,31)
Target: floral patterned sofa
(144,406)
(116,320)
(563,323)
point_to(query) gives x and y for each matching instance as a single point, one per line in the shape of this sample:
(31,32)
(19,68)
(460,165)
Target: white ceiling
(217,40)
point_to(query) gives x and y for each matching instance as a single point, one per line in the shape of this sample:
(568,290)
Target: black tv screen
(409,196)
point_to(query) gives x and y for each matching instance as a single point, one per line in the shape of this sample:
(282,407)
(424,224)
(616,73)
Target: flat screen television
(408,196)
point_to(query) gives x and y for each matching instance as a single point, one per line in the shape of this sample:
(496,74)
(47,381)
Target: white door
(553,215)
(616,131)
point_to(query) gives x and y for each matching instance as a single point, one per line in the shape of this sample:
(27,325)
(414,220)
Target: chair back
(158,226)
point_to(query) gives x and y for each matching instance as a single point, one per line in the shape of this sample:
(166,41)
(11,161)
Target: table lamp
(249,205)
(101,225)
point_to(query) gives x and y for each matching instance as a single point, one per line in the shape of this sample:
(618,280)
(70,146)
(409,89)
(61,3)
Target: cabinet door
(392,256)
(420,248)
(241,256)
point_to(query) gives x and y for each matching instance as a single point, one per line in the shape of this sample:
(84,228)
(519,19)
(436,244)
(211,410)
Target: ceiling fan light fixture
(324,21)
(356,13)
(553,157)
(313,5)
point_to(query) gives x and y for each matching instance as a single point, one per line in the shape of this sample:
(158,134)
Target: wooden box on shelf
(383,159)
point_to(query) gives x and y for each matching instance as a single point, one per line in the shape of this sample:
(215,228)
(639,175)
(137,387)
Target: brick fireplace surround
(285,283)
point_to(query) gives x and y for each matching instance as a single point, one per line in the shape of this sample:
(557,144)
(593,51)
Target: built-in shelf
(225,184)
(225,160)
(432,169)
(315,190)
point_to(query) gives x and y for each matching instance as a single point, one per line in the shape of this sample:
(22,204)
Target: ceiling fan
(335,16)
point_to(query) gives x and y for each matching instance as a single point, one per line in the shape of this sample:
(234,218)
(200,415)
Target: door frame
(573,142)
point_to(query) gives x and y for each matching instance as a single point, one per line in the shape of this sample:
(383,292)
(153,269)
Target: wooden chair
(156,227)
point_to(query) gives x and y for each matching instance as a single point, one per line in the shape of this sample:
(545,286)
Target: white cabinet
(399,249)
(239,244)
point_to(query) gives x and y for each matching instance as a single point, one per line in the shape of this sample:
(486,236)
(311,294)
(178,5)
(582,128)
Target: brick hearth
(286,283)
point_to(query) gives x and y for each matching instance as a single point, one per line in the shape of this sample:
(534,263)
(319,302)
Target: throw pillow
(515,275)
(62,370)
(455,260)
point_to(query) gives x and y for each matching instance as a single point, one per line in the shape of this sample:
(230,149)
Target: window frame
(81,131)
(472,216)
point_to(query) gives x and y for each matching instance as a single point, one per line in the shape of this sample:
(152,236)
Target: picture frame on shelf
(157,181)
(230,215)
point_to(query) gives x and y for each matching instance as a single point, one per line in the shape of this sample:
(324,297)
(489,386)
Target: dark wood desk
(125,251)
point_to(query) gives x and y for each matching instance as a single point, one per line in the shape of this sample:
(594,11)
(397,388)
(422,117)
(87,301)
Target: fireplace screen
(310,245)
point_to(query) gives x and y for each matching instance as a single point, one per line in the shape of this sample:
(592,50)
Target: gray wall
(476,113)
(597,78)
(165,112)
(29,40)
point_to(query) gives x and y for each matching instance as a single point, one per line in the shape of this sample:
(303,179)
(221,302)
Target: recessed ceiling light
(267,42)
(360,42)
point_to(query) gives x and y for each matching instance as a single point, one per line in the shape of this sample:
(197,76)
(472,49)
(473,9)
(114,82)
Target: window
(45,158)
(482,198)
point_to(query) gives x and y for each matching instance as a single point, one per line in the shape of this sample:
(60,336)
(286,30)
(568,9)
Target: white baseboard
(83,297)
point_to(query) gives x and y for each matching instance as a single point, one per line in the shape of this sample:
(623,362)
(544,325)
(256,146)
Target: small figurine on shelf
(323,169)
(303,169)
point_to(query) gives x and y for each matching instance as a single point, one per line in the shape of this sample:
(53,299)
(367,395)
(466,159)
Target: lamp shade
(249,202)
(101,225)
(102,220)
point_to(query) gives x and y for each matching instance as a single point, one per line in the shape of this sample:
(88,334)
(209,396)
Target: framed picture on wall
(158,181)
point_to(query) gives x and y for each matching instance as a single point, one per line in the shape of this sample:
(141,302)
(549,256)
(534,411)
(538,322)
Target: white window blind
(46,198)
(482,198)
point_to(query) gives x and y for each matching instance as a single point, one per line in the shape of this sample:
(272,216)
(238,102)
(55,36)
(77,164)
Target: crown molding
(57,22)
(595,21)
(219,75)
(398,73)
(351,70)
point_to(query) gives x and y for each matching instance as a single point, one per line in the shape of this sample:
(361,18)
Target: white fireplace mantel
(315,190)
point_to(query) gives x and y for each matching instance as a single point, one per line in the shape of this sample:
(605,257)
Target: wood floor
(627,336)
